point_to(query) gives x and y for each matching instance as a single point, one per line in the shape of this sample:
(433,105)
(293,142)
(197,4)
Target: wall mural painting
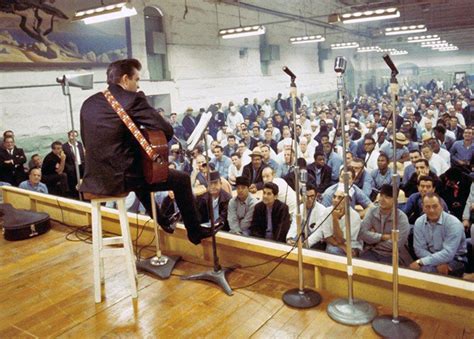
(40,33)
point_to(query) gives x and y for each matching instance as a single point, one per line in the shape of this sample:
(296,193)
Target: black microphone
(390,64)
(340,64)
(287,71)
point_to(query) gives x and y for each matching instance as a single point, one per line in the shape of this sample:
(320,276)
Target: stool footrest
(112,241)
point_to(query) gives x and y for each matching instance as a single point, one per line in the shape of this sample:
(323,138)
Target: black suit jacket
(325,177)
(70,156)
(224,199)
(280,221)
(189,124)
(248,173)
(113,154)
(12,173)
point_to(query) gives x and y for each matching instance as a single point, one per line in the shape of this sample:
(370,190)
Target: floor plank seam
(266,321)
(24,331)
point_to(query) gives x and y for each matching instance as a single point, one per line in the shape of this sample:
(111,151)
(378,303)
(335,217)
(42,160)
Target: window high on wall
(156,44)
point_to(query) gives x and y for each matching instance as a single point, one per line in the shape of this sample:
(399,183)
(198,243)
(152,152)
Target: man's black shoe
(168,224)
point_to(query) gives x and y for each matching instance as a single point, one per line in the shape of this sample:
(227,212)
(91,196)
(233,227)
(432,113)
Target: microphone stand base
(305,298)
(217,277)
(385,326)
(358,312)
(160,267)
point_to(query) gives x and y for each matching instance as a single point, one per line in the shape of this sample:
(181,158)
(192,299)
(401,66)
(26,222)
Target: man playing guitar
(113,158)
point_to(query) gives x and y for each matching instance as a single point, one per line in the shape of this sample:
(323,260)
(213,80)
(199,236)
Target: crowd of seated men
(55,173)
(245,167)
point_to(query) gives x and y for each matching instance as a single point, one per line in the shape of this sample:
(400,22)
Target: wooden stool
(99,243)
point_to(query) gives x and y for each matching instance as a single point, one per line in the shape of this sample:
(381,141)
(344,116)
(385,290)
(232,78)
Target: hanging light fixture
(442,46)
(370,15)
(344,45)
(405,29)
(423,38)
(241,31)
(448,49)
(368,49)
(399,52)
(105,12)
(434,43)
(306,39)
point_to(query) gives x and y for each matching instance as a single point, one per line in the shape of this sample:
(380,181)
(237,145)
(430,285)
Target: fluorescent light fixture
(368,49)
(405,29)
(370,15)
(344,45)
(240,32)
(448,49)
(306,39)
(434,43)
(105,13)
(442,46)
(423,38)
(387,50)
(402,52)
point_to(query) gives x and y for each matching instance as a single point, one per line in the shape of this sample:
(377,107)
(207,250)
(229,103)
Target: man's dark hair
(8,137)
(310,187)
(383,155)
(231,137)
(71,132)
(425,178)
(56,143)
(219,147)
(423,161)
(273,187)
(387,190)
(415,151)
(235,155)
(8,132)
(318,154)
(34,155)
(440,129)
(119,68)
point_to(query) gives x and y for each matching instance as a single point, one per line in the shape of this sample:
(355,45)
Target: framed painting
(40,33)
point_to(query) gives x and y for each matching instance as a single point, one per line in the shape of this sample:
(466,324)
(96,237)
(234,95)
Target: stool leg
(101,243)
(130,262)
(96,236)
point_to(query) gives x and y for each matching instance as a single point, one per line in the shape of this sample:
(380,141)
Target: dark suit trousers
(180,183)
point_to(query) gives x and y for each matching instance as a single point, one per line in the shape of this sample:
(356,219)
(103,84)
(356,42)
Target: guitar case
(22,224)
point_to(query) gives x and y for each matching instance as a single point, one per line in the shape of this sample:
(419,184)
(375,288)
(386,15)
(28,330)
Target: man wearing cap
(241,207)
(253,171)
(376,228)
(234,118)
(271,219)
(401,151)
(439,240)
(188,122)
(219,199)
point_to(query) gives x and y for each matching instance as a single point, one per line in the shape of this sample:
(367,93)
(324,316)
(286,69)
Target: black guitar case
(22,224)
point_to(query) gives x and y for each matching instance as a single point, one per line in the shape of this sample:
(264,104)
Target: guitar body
(155,172)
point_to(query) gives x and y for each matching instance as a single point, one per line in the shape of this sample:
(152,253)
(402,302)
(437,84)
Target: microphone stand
(159,265)
(217,274)
(395,326)
(348,311)
(299,297)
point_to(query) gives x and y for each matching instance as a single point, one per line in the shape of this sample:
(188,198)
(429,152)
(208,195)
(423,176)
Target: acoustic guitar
(156,170)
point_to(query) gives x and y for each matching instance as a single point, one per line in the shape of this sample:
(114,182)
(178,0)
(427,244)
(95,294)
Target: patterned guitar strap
(131,125)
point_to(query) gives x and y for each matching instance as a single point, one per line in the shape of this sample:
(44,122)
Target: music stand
(218,273)
(83,81)
(159,265)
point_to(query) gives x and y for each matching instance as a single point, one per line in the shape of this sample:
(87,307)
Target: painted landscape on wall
(39,33)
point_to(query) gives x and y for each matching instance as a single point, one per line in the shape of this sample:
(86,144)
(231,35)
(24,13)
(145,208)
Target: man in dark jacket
(12,160)
(219,199)
(70,148)
(113,158)
(271,219)
(253,171)
(320,173)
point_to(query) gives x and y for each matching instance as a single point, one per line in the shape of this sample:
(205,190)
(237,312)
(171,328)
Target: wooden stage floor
(47,291)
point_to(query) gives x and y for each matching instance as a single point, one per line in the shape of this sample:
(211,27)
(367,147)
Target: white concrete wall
(204,68)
